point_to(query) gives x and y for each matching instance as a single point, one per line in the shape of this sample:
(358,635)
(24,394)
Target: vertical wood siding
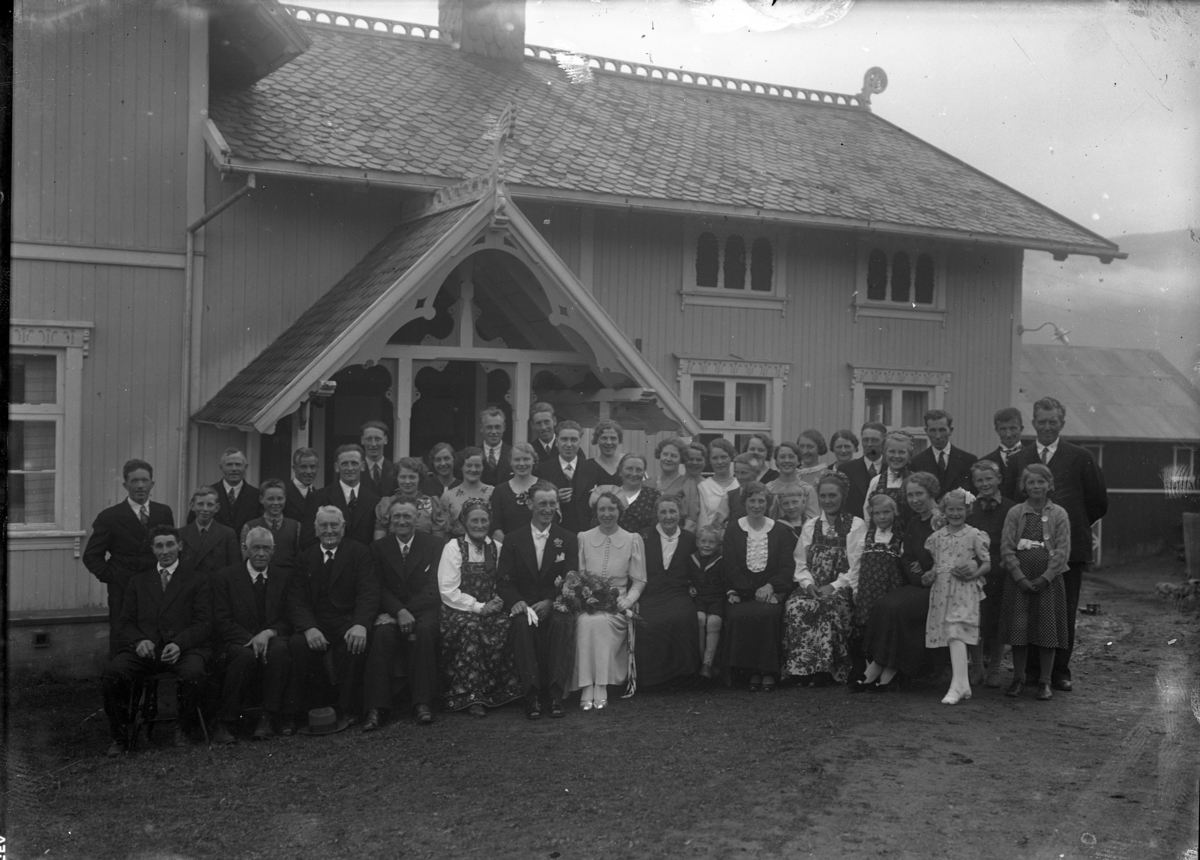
(100,124)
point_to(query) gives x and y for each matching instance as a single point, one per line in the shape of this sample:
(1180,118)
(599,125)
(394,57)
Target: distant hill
(1149,301)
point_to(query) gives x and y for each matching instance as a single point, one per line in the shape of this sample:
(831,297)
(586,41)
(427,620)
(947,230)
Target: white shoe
(952,698)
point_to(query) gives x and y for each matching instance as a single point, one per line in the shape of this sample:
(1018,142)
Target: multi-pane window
(734,262)
(899,408)
(901,277)
(34,440)
(732,398)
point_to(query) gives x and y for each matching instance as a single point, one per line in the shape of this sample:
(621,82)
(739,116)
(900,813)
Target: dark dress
(895,634)
(1028,618)
(879,573)
(510,510)
(988,516)
(477,658)
(707,577)
(668,636)
(753,631)
(603,476)
(903,512)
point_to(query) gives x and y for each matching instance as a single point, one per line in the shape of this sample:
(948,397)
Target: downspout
(193,316)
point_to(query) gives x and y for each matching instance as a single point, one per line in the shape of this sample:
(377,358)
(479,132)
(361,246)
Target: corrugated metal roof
(371,101)
(1128,394)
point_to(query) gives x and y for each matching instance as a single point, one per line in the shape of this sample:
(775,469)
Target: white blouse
(714,504)
(669,544)
(756,544)
(450,575)
(854,551)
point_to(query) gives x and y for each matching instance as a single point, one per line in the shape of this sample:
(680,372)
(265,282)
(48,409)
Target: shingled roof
(414,106)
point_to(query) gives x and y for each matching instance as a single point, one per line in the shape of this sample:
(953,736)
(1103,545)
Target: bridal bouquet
(585,592)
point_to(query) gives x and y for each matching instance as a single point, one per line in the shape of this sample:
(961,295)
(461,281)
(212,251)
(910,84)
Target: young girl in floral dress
(960,563)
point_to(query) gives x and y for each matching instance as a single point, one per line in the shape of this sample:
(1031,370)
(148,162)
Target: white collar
(567,463)
(407,543)
(170,570)
(304,489)
(228,486)
(137,509)
(254,573)
(325,550)
(347,489)
(595,537)
(1052,448)
(539,532)
(949,447)
(668,538)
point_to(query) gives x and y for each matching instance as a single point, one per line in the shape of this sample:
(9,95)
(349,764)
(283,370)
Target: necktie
(375,473)
(353,498)
(203,533)
(569,471)
(326,571)
(404,551)
(1045,455)
(492,457)
(143,516)
(871,471)
(165,576)
(942,461)
(233,494)
(260,597)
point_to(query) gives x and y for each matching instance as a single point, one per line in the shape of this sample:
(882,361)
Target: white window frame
(936,382)
(1186,454)
(719,296)
(864,307)
(69,343)
(731,371)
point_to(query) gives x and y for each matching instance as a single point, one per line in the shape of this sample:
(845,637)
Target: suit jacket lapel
(130,520)
(173,587)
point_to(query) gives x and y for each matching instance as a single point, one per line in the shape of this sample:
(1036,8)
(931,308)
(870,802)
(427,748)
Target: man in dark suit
(301,500)
(379,473)
(532,559)
(572,475)
(350,496)
(250,616)
(166,622)
(119,546)
(541,431)
(238,501)
(861,470)
(285,532)
(1009,426)
(406,562)
(1079,489)
(332,602)
(208,546)
(950,465)
(496,452)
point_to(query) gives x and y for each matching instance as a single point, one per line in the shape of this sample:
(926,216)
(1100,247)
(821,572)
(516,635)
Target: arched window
(924,286)
(707,260)
(762,266)
(735,263)
(901,277)
(877,276)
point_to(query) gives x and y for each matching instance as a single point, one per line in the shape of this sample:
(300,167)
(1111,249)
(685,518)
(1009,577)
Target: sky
(1090,108)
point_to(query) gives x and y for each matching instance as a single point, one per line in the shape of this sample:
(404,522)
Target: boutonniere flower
(558,543)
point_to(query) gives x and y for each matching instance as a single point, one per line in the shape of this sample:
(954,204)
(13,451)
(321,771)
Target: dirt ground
(1107,771)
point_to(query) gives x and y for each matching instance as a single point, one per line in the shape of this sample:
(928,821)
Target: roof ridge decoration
(576,65)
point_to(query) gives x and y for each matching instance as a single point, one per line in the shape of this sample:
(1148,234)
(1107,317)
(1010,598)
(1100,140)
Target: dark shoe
(1044,693)
(373,721)
(533,708)
(422,715)
(755,683)
(116,748)
(287,726)
(263,731)
(477,710)
(1014,689)
(859,685)
(992,679)
(556,706)
(768,684)
(706,671)
(222,735)
(1063,684)
(181,737)
(890,687)
(351,720)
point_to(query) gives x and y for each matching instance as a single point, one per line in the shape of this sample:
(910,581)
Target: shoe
(477,710)
(1063,684)
(351,720)
(975,675)
(533,708)
(287,726)
(556,706)
(991,680)
(263,731)
(952,698)
(586,705)
(1044,693)
(890,687)
(768,684)
(1014,689)
(859,685)
(373,721)
(221,734)
(116,748)
(600,704)
(706,671)
(181,738)
(755,683)
(422,715)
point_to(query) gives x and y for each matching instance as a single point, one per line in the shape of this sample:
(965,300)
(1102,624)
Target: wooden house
(241,223)
(1140,418)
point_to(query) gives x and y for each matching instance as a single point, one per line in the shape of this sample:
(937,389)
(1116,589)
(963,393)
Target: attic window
(899,280)
(733,267)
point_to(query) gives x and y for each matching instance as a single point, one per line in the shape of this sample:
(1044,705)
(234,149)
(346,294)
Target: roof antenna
(874,82)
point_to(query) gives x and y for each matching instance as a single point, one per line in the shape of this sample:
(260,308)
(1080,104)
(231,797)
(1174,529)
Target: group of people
(525,572)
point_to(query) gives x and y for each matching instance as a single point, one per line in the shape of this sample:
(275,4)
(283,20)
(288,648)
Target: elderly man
(351,496)
(301,498)
(250,616)
(332,602)
(530,563)
(406,562)
(496,452)
(119,547)
(379,473)
(541,427)
(237,500)
(166,622)
(208,546)
(950,465)
(1079,489)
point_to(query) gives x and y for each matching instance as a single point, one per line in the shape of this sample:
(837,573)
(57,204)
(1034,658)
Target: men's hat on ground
(323,721)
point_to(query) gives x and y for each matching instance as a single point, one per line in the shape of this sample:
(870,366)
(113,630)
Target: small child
(960,563)
(880,571)
(705,570)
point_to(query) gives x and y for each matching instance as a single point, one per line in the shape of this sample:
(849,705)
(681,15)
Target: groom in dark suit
(119,546)
(950,465)
(572,475)
(532,559)
(406,562)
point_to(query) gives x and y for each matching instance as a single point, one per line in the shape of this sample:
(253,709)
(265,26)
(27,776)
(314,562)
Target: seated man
(406,562)
(532,558)
(250,615)
(333,600)
(272,495)
(208,546)
(166,622)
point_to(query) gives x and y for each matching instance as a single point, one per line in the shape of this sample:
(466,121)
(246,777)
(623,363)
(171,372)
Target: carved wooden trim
(700,366)
(51,333)
(899,376)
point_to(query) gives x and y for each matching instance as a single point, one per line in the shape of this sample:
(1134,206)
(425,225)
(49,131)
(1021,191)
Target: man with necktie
(1079,489)
(404,638)
(119,546)
(1009,426)
(252,626)
(861,470)
(379,473)
(497,454)
(300,501)
(350,496)
(332,602)
(238,500)
(950,465)
(572,475)
(208,546)
(272,495)
(541,427)
(165,626)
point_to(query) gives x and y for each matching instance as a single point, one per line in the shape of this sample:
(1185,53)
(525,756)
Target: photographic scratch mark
(1026,53)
